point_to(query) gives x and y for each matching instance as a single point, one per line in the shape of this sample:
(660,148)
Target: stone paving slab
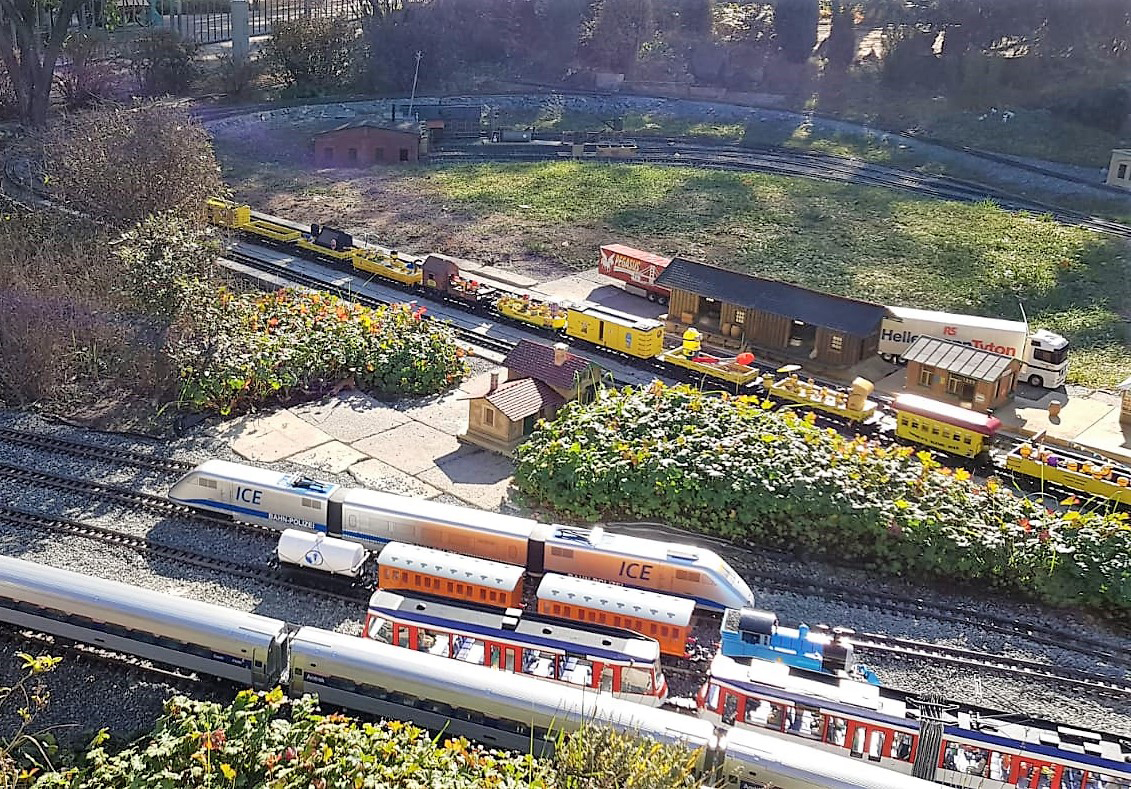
(448,414)
(474,476)
(351,416)
(378,475)
(272,437)
(411,447)
(601,290)
(333,456)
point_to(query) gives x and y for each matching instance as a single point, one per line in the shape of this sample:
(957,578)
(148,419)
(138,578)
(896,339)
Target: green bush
(165,259)
(314,54)
(263,740)
(729,466)
(238,351)
(163,63)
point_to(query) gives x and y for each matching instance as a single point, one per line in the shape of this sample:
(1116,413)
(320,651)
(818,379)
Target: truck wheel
(1036,380)
(651,296)
(663,301)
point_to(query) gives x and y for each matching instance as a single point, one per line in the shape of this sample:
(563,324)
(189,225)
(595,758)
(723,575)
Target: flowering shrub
(236,351)
(731,467)
(262,740)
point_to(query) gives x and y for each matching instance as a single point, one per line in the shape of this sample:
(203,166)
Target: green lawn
(1031,134)
(859,241)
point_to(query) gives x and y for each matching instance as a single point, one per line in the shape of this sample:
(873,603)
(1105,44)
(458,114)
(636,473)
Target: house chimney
(561,353)
(494,381)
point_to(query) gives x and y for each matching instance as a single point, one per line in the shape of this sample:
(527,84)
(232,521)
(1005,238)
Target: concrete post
(241,31)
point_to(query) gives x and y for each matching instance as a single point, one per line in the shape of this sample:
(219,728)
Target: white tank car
(316,551)
(200,637)
(509,710)
(256,495)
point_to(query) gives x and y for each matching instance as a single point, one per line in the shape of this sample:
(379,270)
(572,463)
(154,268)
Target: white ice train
(372,519)
(487,705)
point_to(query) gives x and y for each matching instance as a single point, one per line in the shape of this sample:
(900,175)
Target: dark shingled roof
(531,359)
(954,357)
(525,397)
(851,316)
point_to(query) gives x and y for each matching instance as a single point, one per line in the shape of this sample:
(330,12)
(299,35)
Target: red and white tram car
(975,747)
(603,658)
(415,568)
(662,617)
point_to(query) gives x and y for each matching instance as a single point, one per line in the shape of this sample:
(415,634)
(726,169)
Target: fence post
(241,31)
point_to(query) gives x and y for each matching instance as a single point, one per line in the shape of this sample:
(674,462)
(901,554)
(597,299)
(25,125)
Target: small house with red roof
(533,383)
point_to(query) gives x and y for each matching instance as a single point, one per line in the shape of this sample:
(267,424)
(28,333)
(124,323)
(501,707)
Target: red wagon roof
(635,254)
(950,414)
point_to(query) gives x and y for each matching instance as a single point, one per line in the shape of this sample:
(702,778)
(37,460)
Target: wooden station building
(957,373)
(739,311)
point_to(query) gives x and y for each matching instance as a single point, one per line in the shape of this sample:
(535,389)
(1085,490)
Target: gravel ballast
(80,689)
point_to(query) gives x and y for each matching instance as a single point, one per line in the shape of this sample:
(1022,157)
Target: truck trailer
(1043,354)
(636,269)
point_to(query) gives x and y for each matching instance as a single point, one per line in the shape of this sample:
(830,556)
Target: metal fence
(210,21)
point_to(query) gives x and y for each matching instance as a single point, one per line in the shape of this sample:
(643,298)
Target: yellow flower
(228,771)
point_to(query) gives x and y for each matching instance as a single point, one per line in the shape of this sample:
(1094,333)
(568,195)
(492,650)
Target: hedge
(732,467)
(235,351)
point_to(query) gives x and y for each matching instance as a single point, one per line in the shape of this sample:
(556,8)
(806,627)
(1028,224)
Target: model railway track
(44,442)
(39,522)
(122,497)
(276,268)
(982,661)
(1068,640)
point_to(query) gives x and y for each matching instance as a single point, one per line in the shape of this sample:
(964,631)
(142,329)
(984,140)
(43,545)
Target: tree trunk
(28,58)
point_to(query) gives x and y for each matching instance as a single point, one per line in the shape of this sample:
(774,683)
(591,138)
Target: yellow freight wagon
(227,214)
(391,266)
(537,313)
(1087,475)
(850,404)
(631,334)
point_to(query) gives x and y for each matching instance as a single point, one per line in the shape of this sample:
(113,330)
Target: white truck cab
(1043,354)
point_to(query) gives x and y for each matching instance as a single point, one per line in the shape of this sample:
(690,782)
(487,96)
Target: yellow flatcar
(544,315)
(406,271)
(943,426)
(689,356)
(1088,475)
(620,331)
(852,404)
(238,217)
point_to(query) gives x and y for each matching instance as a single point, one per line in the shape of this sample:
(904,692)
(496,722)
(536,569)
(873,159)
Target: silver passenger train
(489,706)
(372,519)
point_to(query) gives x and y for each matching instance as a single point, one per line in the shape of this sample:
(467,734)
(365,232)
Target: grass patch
(552,118)
(860,241)
(1039,131)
